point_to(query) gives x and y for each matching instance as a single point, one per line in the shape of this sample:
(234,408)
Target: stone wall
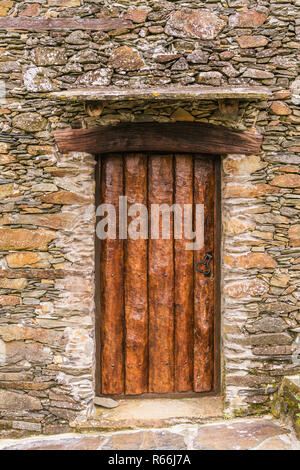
(47,199)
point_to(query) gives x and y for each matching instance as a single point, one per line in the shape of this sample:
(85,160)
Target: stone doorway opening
(187,138)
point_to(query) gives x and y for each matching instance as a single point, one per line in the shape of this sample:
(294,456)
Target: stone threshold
(186,93)
(153,413)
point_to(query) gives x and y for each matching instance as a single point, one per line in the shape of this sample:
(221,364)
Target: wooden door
(155,299)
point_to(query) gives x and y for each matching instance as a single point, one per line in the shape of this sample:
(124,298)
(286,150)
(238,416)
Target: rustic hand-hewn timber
(157,137)
(188,93)
(67,24)
(155,312)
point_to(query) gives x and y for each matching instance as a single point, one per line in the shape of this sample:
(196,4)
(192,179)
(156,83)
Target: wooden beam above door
(192,137)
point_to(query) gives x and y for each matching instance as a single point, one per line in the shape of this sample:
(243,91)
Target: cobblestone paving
(242,434)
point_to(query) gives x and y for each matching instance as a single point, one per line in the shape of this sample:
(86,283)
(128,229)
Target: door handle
(206,263)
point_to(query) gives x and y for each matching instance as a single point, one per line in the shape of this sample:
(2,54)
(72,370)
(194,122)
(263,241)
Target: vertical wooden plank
(204,193)
(97,281)
(161,283)
(112,305)
(136,288)
(217,300)
(184,295)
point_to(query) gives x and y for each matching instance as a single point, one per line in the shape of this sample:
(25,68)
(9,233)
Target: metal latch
(206,262)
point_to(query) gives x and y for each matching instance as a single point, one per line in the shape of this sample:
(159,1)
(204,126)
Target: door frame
(178,137)
(217,386)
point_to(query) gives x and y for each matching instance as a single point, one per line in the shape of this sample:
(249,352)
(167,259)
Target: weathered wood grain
(97,283)
(136,284)
(192,137)
(184,307)
(163,93)
(161,283)
(204,193)
(62,24)
(157,313)
(111,281)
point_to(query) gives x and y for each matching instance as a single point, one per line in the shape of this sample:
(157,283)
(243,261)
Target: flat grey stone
(146,440)
(106,402)
(237,435)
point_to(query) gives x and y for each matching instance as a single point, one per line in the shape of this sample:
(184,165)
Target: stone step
(155,412)
(239,434)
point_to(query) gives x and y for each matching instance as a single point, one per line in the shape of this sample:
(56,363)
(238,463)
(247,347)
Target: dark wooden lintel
(192,137)
(68,24)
